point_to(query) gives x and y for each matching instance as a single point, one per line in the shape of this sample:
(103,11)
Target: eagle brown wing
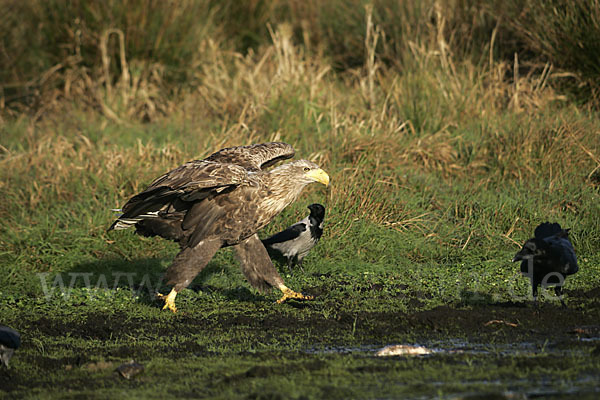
(173,192)
(255,157)
(177,196)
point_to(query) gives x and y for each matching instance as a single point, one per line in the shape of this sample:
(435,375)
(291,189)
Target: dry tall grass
(152,50)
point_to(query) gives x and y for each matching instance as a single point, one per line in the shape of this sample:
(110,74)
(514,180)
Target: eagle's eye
(306,169)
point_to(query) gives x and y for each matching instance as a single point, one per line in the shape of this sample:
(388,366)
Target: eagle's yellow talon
(169,300)
(290,294)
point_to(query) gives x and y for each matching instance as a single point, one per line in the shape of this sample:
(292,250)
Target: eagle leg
(290,294)
(256,264)
(169,300)
(187,264)
(260,271)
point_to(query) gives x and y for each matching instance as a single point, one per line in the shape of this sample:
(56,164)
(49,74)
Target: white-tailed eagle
(221,201)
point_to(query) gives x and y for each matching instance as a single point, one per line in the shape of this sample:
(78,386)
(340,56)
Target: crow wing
(290,233)
(562,246)
(558,240)
(547,229)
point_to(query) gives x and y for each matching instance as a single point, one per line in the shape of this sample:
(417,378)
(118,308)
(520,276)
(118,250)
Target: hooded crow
(295,242)
(548,258)
(10,340)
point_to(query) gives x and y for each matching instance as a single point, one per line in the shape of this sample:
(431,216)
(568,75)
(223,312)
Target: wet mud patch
(233,344)
(520,318)
(265,371)
(88,326)
(591,297)
(101,326)
(487,322)
(508,319)
(547,320)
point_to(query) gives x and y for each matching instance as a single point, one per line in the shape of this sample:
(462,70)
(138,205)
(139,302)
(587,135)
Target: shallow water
(456,346)
(526,355)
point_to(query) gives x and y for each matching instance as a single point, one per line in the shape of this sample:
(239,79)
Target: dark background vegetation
(45,41)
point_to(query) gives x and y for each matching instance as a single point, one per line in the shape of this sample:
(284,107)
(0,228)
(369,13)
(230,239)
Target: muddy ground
(266,344)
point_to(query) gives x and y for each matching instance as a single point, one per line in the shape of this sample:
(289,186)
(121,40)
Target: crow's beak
(516,258)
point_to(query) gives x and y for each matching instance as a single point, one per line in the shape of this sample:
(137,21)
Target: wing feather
(201,218)
(201,174)
(255,157)
(179,190)
(194,180)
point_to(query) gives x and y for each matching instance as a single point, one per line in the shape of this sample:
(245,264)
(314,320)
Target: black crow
(10,340)
(295,242)
(548,258)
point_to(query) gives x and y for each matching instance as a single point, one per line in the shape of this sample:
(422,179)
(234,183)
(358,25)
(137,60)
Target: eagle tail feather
(125,222)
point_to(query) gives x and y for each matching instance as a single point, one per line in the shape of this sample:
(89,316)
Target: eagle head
(301,173)
(286,181)
(312,172)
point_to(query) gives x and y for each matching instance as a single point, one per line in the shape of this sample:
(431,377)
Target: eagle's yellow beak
(318,175)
